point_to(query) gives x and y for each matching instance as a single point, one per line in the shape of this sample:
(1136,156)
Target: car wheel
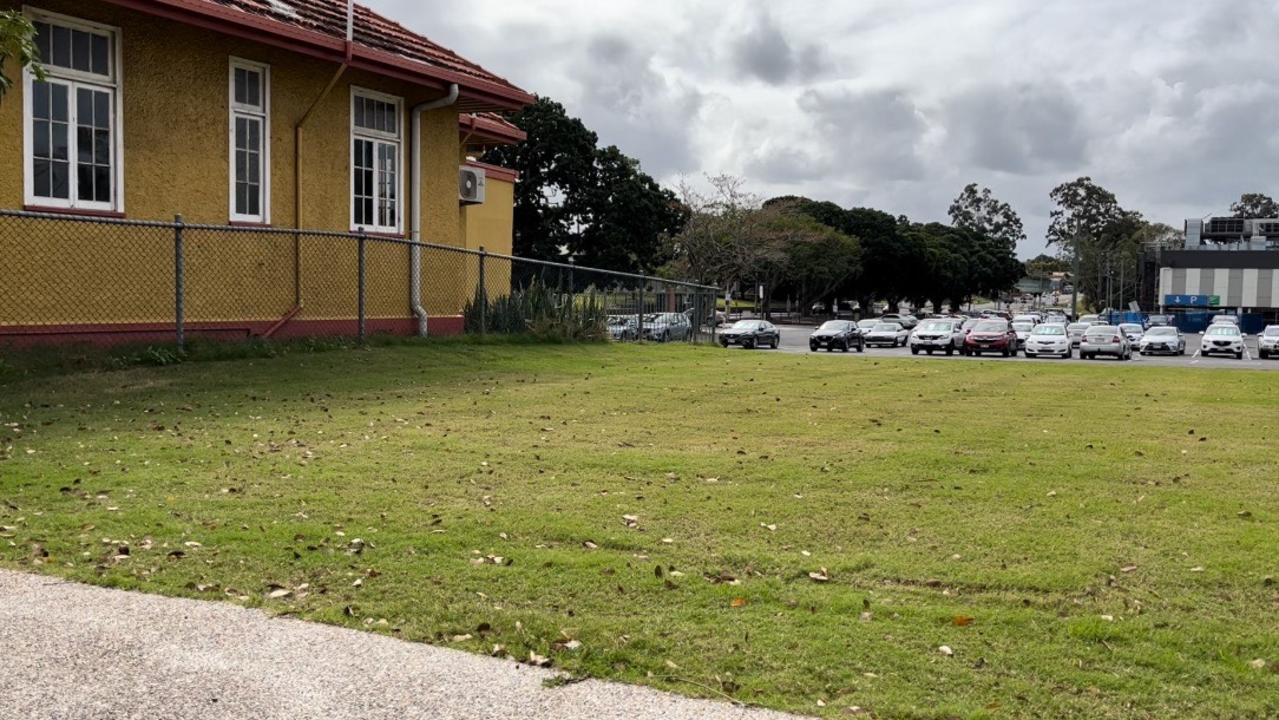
(724,344)
(775,343)
(812,348)
(666,336)
(950,351)
(1239,355)
(914,351)
(748,344)
(861,347)
(844,347)
(1263,354)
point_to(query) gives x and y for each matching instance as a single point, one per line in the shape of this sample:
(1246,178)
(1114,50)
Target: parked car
(751,334)
(623,327)
(1161,320)
(867,325)
(837,335)
(1268,342)
(1222,339)
(665,327)
(1219,319)
(937,335)
(1162,339)
(887,334)
(906,321)
(1133,332)
(1056,318)
(967,327)
(1032,318)
(1105,340)
(1076,332)
(1022,328)
(995,336)
(1049,339)
(1090,319)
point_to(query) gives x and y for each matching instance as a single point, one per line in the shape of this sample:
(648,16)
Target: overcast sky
(897,104)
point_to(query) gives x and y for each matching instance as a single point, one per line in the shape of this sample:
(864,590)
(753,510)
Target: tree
(1043,264)
(1084,209)
(17,40)
(1255,205)
(981,212)
(579,203)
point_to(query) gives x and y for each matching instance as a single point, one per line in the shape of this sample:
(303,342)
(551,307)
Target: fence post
(360,304)
(179,284)
(484,295)
(640,317)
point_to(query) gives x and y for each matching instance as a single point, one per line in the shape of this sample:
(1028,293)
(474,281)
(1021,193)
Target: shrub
(541,311)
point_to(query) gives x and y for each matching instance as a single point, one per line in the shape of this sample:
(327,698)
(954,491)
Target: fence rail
(66,278)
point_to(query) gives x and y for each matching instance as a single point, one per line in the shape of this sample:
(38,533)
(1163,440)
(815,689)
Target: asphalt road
(795,340)
(90,653)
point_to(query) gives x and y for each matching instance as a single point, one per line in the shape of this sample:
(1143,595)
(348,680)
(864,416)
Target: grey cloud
(1023,129)
(764,52)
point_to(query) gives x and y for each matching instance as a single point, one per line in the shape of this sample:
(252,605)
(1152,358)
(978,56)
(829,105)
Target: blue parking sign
(1202,301)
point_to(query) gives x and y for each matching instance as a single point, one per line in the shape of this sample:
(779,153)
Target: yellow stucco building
(265,115)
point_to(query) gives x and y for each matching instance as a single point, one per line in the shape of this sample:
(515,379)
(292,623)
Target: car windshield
(1272,331)
(1161,331)
(1077,327)
(1225,319)
(1023,326)
(887,327)
(619,321)
(938,325)
(993,326)
(834,326)
(969,324)
(1229,330)
(1101,331)
(744,325)
(1049,330)
(1130,327)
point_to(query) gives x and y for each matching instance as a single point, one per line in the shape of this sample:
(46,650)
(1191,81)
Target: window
(71,119)
(375,162)
(250,146)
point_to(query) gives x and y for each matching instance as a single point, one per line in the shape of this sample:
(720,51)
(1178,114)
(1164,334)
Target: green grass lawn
(1089,541)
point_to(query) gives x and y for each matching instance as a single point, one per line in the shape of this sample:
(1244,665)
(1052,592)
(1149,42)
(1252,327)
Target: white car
(1133,332)
(1032,318)
(1023,329)
(1222,339)
(1268,342)
(888,334)
(1049,339)
(937,335)
(1163,339)
(1076,332)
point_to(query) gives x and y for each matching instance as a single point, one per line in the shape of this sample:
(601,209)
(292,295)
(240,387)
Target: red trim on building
(74,211)
(109,334)
(496,172)
(416,59)
(489,128)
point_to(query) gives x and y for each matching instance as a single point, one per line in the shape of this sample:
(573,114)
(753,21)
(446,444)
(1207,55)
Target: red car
(993,336)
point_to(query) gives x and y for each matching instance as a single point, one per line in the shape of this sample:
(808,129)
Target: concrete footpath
(76,651)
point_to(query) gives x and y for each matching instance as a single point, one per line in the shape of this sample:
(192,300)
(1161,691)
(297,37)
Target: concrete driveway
(77,652)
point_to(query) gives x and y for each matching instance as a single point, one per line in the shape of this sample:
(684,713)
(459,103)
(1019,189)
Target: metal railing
(71,278)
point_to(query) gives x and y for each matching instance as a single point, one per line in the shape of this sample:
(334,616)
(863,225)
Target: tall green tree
(1252,206)
(980,211)
(579,203)
(17,44)
(1100,237)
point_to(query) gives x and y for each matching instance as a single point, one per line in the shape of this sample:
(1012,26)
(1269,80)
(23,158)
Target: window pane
(61,55)
(102,110)
(254,207)
(240,83)
(84,188)
(254,166)
(84,144)
(102,147)
(84,107)
(39,99)
(58,94)
(44,37)
(60,144)
(359,111)
(40,138)
(252,92)
(102,183)
(101,58)
(253,142)
(61,174)
(80,44)
(42,175)
(241,199)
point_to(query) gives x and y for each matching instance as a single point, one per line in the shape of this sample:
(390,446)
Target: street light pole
(1074,283)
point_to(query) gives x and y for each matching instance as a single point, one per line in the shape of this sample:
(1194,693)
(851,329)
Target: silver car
(664,327)
(1105,340)
(890,334)
(1133,332)
(1076,332)
(1023,329)
(937,336)
(1162,340)
(1268,342)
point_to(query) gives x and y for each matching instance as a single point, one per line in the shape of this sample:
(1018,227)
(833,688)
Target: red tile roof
(318,28)
(489,128)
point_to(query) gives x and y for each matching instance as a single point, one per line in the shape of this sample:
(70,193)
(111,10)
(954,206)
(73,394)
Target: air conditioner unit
(470,185)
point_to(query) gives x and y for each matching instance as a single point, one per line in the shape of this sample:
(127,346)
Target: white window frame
(396,139)
(77,79)
(262,114)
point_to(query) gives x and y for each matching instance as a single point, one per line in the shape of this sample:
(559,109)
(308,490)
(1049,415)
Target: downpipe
(415,169)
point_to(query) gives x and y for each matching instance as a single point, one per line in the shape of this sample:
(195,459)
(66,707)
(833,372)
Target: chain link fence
(73,279)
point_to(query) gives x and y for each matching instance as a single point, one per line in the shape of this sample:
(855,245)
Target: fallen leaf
(282,592)
(738,602)
(820,576)
(961,621)
(945,650)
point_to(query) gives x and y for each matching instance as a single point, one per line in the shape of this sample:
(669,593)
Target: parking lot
(795,340)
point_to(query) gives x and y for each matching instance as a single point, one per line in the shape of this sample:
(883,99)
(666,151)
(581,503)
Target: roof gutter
(415,171)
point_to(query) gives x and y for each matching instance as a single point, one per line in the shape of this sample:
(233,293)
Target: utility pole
(1074,283)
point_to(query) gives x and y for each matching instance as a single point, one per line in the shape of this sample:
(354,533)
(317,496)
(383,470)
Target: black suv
(839,335)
